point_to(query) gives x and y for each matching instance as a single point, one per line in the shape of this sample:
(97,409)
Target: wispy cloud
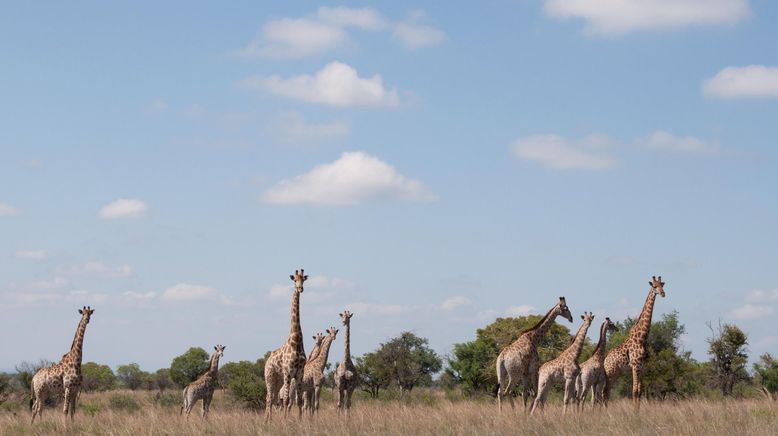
(455,302)
(378,309)
(752,81)
(182,292)
(291,128)
(555,152)
(32,254)
(663,141)
(354,178)
(751,312)
(123,208)
(759,296)
(363,18)
(520,310)
(414,35)
(612,17)
(97,268)
(337,84)
(8,210)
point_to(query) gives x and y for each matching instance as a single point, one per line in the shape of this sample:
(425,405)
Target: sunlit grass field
(137,413)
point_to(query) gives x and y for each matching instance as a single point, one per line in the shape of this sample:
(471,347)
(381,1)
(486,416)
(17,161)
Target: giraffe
(346,374)
(284,367)
(203,387)
(632,352)
(318,339)
(63,377)
(563,367)
(313,375)
(592,375)
(518,362)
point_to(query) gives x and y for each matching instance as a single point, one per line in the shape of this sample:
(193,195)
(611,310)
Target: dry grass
(96,416)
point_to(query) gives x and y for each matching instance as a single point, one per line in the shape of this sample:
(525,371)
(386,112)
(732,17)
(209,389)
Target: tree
(411,361)
(472,363)
(27,370)
(373,373)
(131,376)
(766,371)
(727,348)
(97,377)
(162,379)
(187,367)
(245,382)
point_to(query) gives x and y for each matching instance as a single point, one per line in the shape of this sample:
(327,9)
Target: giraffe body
(346,373)
(62,379)
(518,363)
(284,368)
(563,368)
(313,375)
(203,387)
(318,339)
(632,352)
(592,376)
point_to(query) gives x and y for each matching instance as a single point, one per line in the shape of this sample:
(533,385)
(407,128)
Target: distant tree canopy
(245,382)
(131,376)
(766,374)
(472,364)
(97,377)
(727,349)
(405,361)
(187,367)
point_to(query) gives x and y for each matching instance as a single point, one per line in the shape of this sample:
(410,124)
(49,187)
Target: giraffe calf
(203,387)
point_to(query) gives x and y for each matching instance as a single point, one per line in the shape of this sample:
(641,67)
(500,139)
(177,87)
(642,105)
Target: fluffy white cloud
(363,18)
(337,84)
(663,141)
(415,35)
(292,128)
(557,153)
(32,254)
(455,302)
(521,310)
(621,16)
(752,81)
(295,38)
(353,178)
(189,292)
(751,311)
(759,296)
(123,208)
(8,210)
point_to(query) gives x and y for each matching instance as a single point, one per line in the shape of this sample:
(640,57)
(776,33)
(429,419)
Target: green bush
(170,399)
(90,409)
(123,402)
(245,382)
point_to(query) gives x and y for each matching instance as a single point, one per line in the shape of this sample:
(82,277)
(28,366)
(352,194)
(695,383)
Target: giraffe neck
(347,343)
(76,349)
(213,367)
(541,328)
(296,332)
(577,345)
(324,352)
(599,351)
(639,331)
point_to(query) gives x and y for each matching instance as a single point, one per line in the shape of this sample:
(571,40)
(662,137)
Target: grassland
(137,413)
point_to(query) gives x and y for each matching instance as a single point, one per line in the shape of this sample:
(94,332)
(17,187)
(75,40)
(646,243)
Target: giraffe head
(658,286)
(588,317)
(346,317)
(564,311)
(86,313)
(610,326)
(220,350)
(298,278)
(332,332)
(318,338)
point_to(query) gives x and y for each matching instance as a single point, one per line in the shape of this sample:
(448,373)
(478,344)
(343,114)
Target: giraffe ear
(305,278)
(651,284)
(215,348)
(291,276)
(80,311)
(582,317)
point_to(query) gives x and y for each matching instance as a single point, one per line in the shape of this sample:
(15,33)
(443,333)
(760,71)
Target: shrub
(123,402)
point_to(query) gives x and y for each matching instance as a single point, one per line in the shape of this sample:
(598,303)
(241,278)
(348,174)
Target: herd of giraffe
(292,378)
(519,364)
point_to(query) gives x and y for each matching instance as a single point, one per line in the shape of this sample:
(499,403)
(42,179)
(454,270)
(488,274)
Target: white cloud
(378,309)
(123,208)
(663,141)
(363,18)
(189,292)
(414,35)
(8,210)
(353,178)
(279,291)
(521,310)
(759,296)
(318,289)
(326,282)
(32,254)
(752,81)
(140,296)
(295,38)
(605,17)
(97,268)
(292,128)
(751,311)
(337,84)
(555,152)
(55,283)
(454,302)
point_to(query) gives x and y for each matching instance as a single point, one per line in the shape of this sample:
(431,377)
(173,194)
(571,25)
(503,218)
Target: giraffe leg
(341,403)
(637,371)
(348,398)
(72,407)
(569,393)
(541,396)
(316,395)
(207,405)
(66,404)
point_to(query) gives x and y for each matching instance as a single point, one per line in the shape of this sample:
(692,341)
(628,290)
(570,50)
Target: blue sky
(431,167)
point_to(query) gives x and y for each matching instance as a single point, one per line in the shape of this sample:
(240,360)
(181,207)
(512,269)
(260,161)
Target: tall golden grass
(96,416)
